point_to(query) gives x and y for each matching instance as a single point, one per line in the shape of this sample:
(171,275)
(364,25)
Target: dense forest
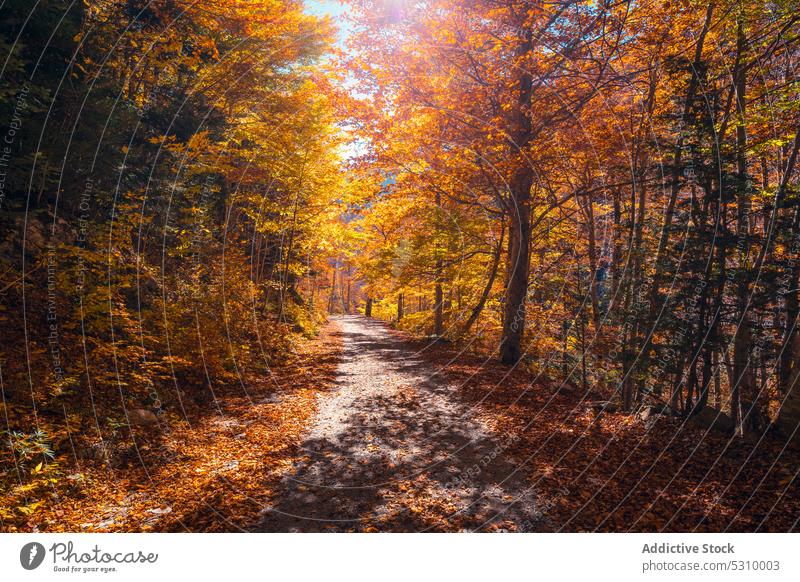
(599,196)
(604,191)
(170,173)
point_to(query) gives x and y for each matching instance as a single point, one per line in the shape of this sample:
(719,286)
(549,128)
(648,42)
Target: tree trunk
(332,296)
(438,300)
(743,389)
(789,368)
(519,209)
(518,266)
(399,307)
(438,308)
(595,283)
(616,253)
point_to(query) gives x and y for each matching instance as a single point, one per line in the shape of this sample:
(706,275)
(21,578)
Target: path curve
(392,449)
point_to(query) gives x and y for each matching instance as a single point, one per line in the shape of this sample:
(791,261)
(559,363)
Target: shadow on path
(392,450)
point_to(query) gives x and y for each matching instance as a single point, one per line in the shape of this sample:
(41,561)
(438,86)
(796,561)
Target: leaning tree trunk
(476,311)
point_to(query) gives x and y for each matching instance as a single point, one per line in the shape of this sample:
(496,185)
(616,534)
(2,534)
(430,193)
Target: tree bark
(520,215)
(518,265)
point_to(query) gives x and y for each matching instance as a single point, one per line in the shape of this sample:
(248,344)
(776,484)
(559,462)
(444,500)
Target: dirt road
(392,450)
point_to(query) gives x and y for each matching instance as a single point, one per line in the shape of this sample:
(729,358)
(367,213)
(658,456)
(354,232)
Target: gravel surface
(392,449)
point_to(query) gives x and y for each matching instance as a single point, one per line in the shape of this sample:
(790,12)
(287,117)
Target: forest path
(391,449)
